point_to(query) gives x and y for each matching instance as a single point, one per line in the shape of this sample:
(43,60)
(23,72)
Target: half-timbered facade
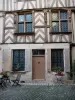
(37,36)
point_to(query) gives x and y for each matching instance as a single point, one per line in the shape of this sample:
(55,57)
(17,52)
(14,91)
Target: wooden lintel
(40,9)
(26,33)
(64,33)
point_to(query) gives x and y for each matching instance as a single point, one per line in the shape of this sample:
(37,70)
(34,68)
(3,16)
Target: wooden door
(38,67)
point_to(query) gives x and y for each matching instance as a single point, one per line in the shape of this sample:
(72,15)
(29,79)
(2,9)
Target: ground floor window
(57,59)
(18,60)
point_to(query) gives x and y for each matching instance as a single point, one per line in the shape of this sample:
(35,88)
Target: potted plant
(4,74)
(59,74)
(59,71)
(17,68)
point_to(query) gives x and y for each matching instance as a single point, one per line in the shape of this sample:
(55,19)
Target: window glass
(35,52)
(57,59)
(55,27)
(41,52)
(29,17)
(28,27)
(63,15)
(21,27)
(18,60)
(55,16)
(21,18)
(64,26)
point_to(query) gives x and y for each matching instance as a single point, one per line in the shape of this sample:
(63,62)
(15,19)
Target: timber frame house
(37,37)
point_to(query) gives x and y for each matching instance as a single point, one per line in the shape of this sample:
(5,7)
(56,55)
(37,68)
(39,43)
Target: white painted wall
(1,26)
(1,60)
(1,4)
(36,46)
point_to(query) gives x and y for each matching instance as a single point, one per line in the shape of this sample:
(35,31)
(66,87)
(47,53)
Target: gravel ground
(38,92)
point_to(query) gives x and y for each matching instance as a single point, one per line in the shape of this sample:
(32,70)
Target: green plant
(58,69)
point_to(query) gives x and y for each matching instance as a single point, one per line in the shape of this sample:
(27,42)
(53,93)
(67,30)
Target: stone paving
(38,92)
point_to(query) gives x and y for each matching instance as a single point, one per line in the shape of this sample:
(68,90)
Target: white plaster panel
(1,29)
(1,4)
(40,32)
(55,38)
(20,4)
(9,20)
(9,5)
(32,5)
(14,5)
(39,19)
(73,27)
(1,59)
(39,40)
(20,39)
(7,62)
(48,34)
(28,60)
(48,19)
(66,37)
(66,60)
(28,38)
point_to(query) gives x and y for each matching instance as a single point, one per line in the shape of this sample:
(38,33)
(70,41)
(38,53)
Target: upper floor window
(24,23)
(60,21)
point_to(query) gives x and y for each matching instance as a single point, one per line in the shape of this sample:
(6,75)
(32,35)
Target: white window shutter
(7,60)
(66,60)
(49,60)
(28,60)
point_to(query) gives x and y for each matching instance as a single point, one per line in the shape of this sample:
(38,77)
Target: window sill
(18,71)
(56,33)
(25,33)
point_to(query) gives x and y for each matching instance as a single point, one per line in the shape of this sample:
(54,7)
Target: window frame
(24,22)
(68,20)
(38,52)
(19,50)
(57,61)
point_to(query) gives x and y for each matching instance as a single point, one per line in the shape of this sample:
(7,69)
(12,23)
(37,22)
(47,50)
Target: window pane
(64,26)
(21,18)
(21,28)
(28,27)
(57,59)
(55,27)
(41,52)
(35,52)
(55,16)
(63,15)
(18,60)
(29,17)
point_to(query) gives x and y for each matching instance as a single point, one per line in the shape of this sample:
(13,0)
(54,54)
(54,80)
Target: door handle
(38,62)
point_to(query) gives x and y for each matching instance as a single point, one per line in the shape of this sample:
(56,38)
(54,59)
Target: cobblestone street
(39,92)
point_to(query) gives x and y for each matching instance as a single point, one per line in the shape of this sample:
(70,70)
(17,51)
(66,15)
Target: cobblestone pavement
(38,92)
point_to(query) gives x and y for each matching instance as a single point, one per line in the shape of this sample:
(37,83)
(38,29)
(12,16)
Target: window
(18,60)
(57,59)
(38,52)
(60,21)
(24,23)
